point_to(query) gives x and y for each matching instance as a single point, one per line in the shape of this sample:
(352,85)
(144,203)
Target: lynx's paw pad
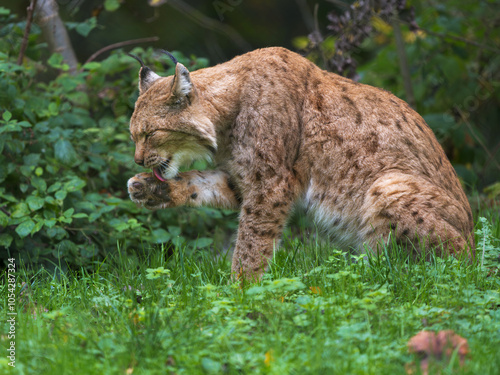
(147,191)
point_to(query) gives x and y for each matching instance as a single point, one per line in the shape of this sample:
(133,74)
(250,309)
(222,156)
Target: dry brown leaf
(436,347)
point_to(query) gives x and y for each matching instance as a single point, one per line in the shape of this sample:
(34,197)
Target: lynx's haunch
(284,132)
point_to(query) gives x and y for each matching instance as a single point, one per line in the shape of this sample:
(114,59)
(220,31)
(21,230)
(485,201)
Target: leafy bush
(66,155)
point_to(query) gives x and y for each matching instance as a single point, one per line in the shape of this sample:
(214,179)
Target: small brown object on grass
(436,348)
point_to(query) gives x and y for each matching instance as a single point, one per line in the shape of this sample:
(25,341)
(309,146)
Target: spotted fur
(284,132)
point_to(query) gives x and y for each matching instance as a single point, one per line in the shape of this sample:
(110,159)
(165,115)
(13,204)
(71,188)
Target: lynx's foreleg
(264,213)
(193,188)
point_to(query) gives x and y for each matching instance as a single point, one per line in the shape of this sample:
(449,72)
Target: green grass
(317,311)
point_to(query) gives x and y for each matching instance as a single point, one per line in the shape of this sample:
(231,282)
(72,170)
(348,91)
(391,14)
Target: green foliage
(83,28)
(490,251)
(317,311)
(66,156)
(111,5)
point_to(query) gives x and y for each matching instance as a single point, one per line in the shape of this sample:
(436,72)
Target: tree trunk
(54,32)
(403,62)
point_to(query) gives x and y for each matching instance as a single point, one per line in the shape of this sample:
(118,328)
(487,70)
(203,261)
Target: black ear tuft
(137,58)
(169,55)
(144,73)
(146,76)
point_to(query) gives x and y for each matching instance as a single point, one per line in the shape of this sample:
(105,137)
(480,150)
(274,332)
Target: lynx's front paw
(147,191)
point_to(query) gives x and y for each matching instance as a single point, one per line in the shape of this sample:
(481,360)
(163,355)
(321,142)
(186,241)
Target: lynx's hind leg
(416,211)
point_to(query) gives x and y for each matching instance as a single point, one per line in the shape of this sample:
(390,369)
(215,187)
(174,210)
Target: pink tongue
(157,174)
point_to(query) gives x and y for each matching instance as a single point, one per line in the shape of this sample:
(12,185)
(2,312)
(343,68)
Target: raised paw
(147,191)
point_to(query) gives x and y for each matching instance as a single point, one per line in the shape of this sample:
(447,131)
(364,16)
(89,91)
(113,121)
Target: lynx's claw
(147,191)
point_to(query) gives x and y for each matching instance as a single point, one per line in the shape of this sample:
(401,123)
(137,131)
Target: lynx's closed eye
(149,135)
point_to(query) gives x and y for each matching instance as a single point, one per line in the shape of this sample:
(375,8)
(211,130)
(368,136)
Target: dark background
(259,23)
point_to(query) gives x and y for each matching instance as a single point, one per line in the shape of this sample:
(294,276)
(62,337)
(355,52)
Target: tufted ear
(182,86)
(146,79)
(146,76)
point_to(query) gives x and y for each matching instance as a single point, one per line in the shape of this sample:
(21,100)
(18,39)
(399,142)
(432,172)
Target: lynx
(285,133)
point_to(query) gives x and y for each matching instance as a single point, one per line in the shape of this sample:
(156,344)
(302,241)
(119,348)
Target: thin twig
(121,44)
(29,20)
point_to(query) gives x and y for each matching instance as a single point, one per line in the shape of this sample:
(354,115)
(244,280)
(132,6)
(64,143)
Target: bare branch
(121,44)
(29,20)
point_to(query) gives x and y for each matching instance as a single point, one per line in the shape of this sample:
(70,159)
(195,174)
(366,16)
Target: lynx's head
(169,126)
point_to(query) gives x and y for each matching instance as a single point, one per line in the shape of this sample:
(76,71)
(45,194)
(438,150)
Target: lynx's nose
(139,161)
